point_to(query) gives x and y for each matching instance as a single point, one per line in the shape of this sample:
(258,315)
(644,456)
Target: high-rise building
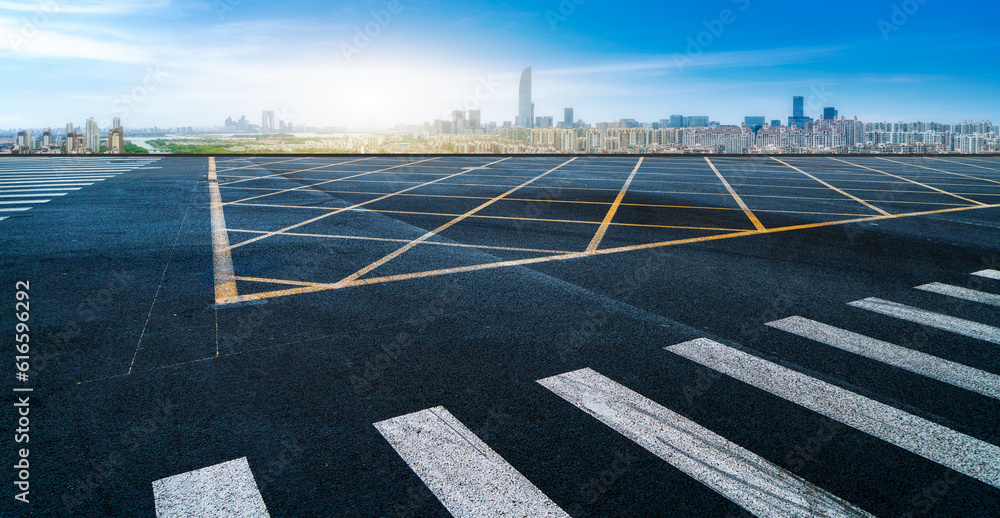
(458,121)
(697,121)
(475,119)
(829,113)
(754,122)
(116,122)
(568,116)
(24,139)
(525,108)
(677,121)
(116,140)
(69,128)
(543,122)
(93,136)
(775,123)
(798,117)
(267,120)
(47,137)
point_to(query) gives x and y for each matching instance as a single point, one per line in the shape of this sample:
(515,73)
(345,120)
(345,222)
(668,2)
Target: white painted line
(15,210)
(54,182)
(968,455)
(959,292)
(30,195)
(952,373)
(750,481)
(31,177)
(60,186)
(989,274)
(3,218)
(5,190)
(226,490)
(22,202)
(470,479)
(929,318)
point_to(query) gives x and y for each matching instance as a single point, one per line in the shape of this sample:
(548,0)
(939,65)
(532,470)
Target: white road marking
(470,479)
(750,481)
(959,292)
(929,318)
(68,186)
(226,490)
(15,210)
(53,182)
(31,195)
(23,202)
(3,218)
(5,190)
(989,274)
(968,455)
(952,373)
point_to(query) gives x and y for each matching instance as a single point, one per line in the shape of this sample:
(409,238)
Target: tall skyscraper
(93,136)
(568,116)
(458,121)
(69,128)
(267,120)
(47,137)
(829,113)
(116,140)
(525,108)
(677,121)
(798,117)
(116,123)
(776,123)
(24,139)
(543,122)
(475,119)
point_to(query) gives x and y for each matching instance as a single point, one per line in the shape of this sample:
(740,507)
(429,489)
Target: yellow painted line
(994,169)
(845,193)
(739,201)
(225,280)
(428,235)
(355,206)
(942,171)
(611,212)
(483,216)
(392,240)
(911,181)
(251,178)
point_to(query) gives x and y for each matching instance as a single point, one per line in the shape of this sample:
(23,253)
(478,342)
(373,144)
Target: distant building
(678,121)
(829,113)
(568,116)
(116,122)
(798,118)
(525,108)
(24,139)
(775,123)
(475,119)
(458,121)
(47,137)
(116,140)
(630,123)
(754,122)
(267,120)
(543,122)
(697,121)
(93,136)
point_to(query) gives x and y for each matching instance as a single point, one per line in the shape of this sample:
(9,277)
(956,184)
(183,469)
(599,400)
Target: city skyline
(182,63)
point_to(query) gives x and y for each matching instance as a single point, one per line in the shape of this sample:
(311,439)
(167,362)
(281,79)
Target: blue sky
(194,62)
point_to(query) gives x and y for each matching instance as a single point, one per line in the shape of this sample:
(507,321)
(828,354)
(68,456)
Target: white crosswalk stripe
(226,490)
(959,292)
(968,455)
(957,374)
(989,274)
(470,479)
(929,318)
(743,477)
(28,182)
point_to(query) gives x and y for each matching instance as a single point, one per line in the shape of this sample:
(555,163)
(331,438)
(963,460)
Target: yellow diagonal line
(614,208)
(908,180)
(739,201)
(355,206)
(849,195)
(432,233)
